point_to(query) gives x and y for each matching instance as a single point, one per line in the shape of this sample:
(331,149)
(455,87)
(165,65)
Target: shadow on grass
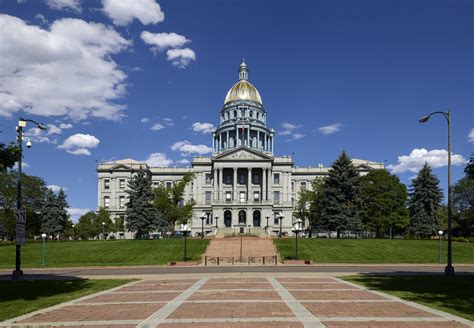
(29,290)
(445,293)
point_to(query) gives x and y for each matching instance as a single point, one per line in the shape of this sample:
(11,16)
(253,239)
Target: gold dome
(243,90)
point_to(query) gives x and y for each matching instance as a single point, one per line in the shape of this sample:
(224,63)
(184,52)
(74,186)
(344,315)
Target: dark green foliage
(425,199)
(384,200)
(85,227)
(54,214)
(9,155)
(340,205)
(170,201)
(140,210)
(308,205)
(469,170)
(463,207)
(103,224)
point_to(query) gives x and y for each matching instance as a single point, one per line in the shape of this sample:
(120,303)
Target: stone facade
(242,186)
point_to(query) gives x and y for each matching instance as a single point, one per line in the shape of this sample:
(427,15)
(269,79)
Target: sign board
(20,216)
(20,227)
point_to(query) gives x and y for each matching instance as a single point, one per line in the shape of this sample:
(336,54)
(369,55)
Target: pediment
(121,167)
(242,153)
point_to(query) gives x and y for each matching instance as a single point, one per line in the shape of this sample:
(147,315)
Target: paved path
(68,273)
(222,302)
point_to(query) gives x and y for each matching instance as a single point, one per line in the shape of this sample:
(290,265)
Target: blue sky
(333,75)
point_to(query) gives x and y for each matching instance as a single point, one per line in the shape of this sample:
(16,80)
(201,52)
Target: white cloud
(24,165)
(470,136)
(123,12)
(163,41)
(181,57)
(157,127)
(55,188)
(65,126)
(78,144)
(158,160)
(41,18)
(75,213)
(183,161)
(330,129)
(186,148)
(296,136)
(418,157)
(38,135)
(65,70)
(145,120)
(168,121)
(289,130)
(64,4)
(203,127)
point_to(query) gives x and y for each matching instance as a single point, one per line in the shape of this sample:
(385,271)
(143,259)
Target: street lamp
(43,262)
(440,234)
(20,225)
(73,232)
(266,228)
(103,230)
(216,218)
(202,217)
(297,228)
(280,217)
(449,269)
(185,231)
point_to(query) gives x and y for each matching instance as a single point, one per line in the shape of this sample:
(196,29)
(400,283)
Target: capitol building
(242,187)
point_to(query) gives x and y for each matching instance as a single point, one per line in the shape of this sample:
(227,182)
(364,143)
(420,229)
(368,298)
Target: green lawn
(21,297)
(103,253)
(450,294)
(322,250)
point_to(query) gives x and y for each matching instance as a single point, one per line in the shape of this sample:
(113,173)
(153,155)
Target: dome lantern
(243,71)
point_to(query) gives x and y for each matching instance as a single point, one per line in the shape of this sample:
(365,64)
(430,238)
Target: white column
(270,185)
(264,184)
(248,136)
(213,142)
(272,144)
(237,135)
(221,185)
(215,190)
(220,141)
(234,186)
(249,184)
(227,139)
(258,139)
(265,142)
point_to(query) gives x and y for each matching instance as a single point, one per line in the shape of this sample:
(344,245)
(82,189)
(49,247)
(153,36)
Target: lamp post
(449,269)
(297,228)
(43,262)
(216,218)
(440,234)
(185,231)
(202,217)
(103,230)
(20,225)
(280,217)
(266,228)
(73,231)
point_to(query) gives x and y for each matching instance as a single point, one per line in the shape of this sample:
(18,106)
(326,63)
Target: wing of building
(242,186)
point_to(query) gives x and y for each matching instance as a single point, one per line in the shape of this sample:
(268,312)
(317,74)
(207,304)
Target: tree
(340,205)
(469,170)
(425,199)
(85,227)
(169,201)
(384,200)
(103,222)
(9,155)
(140,210)
(54,214)
(463,206)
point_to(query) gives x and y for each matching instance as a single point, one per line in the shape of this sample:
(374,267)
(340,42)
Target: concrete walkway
(263,301)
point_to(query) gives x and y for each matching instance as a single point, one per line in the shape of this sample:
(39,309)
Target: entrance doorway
(242,217)
(228,218)
(256,218)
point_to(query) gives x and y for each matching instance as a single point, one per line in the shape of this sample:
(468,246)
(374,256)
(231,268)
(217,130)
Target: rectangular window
(256,196)
(256,179)
(228,179)
(122,184)
(276,220)
(276,197)
(242,196)
(303,185)
(276,178)
(168,185)
(228,196)
(106,184)
(208,178)
(106,201)
(242,179)
(122,201)
(292,186)
(208,197)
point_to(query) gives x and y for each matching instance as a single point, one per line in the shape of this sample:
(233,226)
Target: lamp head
(103,223)
(29,144)
(43,235)
(424,119)
(440,232)
(41,126)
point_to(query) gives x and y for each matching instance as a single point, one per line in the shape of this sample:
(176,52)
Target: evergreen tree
(140,210)
(425,199)
(54,215)
(64,217)
(340,205)
(469,170)
(384,200)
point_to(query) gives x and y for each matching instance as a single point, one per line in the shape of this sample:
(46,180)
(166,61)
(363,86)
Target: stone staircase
(234,232)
